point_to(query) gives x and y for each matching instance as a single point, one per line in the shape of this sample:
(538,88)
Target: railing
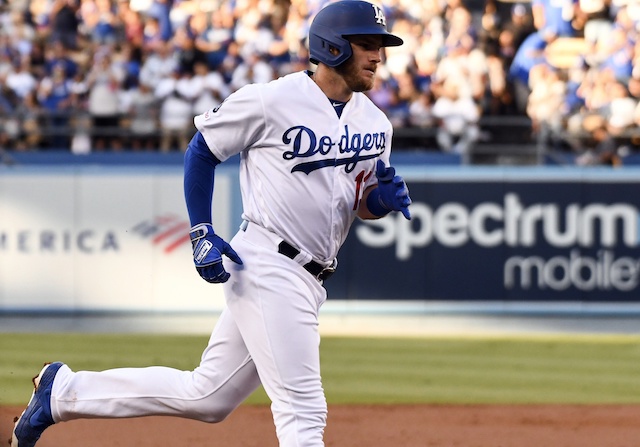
(505,140)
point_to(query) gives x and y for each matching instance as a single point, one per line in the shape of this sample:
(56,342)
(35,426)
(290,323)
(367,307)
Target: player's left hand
(208,249)
(394,194)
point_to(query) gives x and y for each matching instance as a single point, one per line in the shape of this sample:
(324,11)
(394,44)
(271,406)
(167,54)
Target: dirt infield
(369,426)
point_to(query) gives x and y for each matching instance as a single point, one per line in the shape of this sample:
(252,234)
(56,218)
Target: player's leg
(276,305)
(224,378)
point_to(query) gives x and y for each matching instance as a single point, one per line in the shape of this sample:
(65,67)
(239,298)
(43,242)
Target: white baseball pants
(268,334)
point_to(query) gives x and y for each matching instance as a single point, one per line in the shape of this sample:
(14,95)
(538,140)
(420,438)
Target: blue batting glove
(208,249)
(392,193)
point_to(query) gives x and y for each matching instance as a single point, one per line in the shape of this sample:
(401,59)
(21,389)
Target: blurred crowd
(586,103)
(91,75)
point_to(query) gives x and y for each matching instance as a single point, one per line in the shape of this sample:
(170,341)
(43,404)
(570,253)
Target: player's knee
(211,418)
(216,414)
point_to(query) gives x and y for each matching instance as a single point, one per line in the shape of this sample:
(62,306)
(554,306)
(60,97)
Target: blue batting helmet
(345,18)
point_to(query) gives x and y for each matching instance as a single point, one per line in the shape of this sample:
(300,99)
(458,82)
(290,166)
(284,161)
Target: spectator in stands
(38,59)
(107,23)
(400,59)
(600,147)
(497,99)
(176,111)
(159,65)
(277,50)
(88,13)
(552,19)
(398,109)
(458,118)
(8,120)
(465,66)
(21,80)
(546,103)
(54,93)
(185,50)
(152,39)
(627,17)
(7,56)
(230,62)
(40,18)
(22,33)
(427,53)
(382,93)
(209,88)
(529,54)
(296,30)
(132,25)
(461,29)
(421,110)
(252,69)
(252,34)
(404,93)
(161,11)
(142,108)
(129,61)
(104,82)
(594,19)
(514,32)
(58,56)
(608,108)
(213,35)
(621,110)
(243,41)
(617,51)
(490,23)
(29,113)
(65,23)
(80,89)
(574,102)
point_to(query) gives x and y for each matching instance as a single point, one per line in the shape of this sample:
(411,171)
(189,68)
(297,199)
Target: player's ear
(333,50)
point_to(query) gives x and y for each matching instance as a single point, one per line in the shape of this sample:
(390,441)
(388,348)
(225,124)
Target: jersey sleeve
(236,124)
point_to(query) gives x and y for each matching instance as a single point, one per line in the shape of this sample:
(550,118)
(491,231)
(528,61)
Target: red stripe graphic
(177,243)
(168,229)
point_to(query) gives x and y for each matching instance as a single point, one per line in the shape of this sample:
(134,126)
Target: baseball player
(314,154)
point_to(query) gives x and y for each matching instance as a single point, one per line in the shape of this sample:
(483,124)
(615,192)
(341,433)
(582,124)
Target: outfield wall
(113,238)
(506,234)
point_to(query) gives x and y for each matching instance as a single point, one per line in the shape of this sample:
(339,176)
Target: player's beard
(352,75)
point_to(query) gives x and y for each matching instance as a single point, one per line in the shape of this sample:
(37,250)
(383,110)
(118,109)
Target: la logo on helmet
(379,15)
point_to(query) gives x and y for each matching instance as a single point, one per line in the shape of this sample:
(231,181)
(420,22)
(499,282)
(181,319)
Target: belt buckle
(327,271)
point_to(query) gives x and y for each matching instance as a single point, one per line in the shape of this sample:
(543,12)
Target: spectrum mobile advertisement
(510,239)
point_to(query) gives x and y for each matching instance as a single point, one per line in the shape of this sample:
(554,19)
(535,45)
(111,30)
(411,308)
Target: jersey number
(360,180)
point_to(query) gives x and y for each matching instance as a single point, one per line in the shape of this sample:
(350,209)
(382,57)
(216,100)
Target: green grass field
(594,369)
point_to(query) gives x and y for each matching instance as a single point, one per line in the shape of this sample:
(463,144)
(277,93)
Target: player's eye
(368,45)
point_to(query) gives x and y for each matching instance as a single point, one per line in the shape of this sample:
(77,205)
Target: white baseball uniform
(303,170)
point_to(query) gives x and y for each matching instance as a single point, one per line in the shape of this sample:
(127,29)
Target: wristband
(375,205)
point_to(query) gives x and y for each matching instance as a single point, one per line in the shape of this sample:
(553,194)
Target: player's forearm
(199,176)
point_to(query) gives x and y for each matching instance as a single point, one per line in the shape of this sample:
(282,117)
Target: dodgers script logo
(306,144)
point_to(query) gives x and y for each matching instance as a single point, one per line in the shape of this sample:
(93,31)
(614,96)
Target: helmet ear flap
(322,50)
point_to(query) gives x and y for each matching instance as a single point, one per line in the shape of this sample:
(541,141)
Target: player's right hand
(208,249)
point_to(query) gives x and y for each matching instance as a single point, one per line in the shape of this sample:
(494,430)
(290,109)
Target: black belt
(318,270)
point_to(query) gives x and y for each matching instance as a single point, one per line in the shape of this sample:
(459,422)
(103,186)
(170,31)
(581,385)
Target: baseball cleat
(37,416)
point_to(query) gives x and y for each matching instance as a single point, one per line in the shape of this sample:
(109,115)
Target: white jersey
(288,129)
